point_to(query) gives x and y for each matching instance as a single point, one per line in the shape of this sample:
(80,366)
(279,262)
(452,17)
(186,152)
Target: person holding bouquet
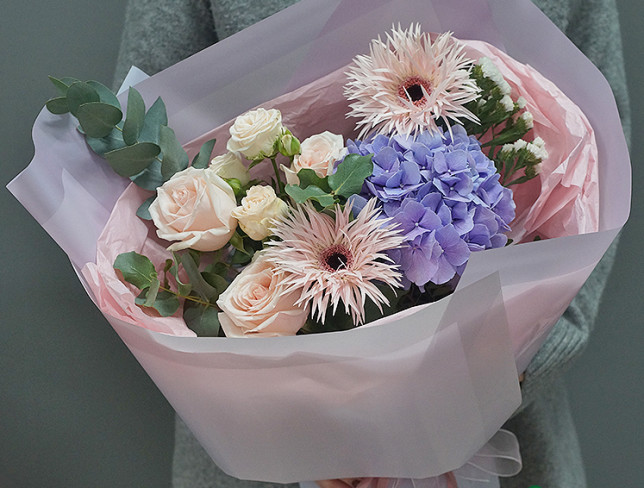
(160,33)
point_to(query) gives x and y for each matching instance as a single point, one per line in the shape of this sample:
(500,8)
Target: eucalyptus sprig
(199,293)
(141,147)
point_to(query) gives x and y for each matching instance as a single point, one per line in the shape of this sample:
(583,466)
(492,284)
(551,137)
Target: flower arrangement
(308,221)
(378,224)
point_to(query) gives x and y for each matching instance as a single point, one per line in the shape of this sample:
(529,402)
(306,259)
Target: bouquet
(393,234)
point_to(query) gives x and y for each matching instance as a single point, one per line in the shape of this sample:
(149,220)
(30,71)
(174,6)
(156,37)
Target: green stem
(280,185)
(187,297)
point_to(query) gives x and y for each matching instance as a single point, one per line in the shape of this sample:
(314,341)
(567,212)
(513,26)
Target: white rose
(254,133)
(257,210)
(318,153)
(195,208)
(255,303)
(230,165)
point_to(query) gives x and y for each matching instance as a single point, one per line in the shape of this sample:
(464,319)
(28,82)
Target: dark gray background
(76,410)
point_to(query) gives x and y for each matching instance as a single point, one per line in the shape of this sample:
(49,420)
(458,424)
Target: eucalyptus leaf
(136,269)
(350,174)
(241,258)
(150,178)
(131,160)
(151,293)
(237,241)
(105,94)
(143,211)
(98,119)
(199,285)
(135,116)
(80,93)
(203,320)
(58,105)
(217,267)
(110,142)
(311,192)
(165,302)
(155,117)
(202,160)
(183,289)
(174,157)
(216,280)
(63,84)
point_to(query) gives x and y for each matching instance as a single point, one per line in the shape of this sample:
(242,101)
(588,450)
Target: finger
(333,484)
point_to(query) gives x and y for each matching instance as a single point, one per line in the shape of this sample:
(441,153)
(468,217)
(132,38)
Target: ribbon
(500,457)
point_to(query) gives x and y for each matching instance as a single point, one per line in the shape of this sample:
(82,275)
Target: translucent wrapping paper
(411,396)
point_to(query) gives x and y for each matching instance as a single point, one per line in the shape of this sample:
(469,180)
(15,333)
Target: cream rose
(254,133)
(230,165)
(257,210)
(318,153)
(255,303)
(195,208)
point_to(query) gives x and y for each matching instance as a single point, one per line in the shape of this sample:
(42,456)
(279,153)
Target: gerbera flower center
(336,257)
(412,89)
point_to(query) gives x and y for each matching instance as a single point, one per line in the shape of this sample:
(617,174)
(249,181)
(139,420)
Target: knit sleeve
(593,25)
(160,33)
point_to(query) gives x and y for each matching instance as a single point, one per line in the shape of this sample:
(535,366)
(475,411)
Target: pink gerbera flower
(334,258)
(408,82)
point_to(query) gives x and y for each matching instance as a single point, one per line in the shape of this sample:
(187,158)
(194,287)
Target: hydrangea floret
(445,196)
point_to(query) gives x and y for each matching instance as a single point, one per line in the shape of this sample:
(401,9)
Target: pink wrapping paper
(413,397)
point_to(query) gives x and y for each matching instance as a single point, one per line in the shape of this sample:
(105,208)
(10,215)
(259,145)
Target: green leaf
(202,160)
(80,93)
(155,117)
(63,84)
(151,293)
(135,116)
(350,175)
(136,269)
(150,178)
(105,95)
(183,289)
(131,160)
(199,285)
(218,267)
(309,177)
(165,302)
(174,157)
(255,163)
(102,145)
(237,241)
(312,192)
(215,280)
(143,211)
(98,119)
(201,319)
(241,258)
(57,105)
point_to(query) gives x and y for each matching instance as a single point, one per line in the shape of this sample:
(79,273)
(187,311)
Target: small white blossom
(520,144)
(522,102)
(507,103)
(528,119)
(492,72)
(538,151)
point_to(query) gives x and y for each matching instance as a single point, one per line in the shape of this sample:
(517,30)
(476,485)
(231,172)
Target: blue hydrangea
(445,196)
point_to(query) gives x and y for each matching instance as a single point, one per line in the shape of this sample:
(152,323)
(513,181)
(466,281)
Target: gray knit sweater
(159,33)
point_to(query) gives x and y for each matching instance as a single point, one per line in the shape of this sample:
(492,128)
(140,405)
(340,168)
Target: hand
(347,483)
